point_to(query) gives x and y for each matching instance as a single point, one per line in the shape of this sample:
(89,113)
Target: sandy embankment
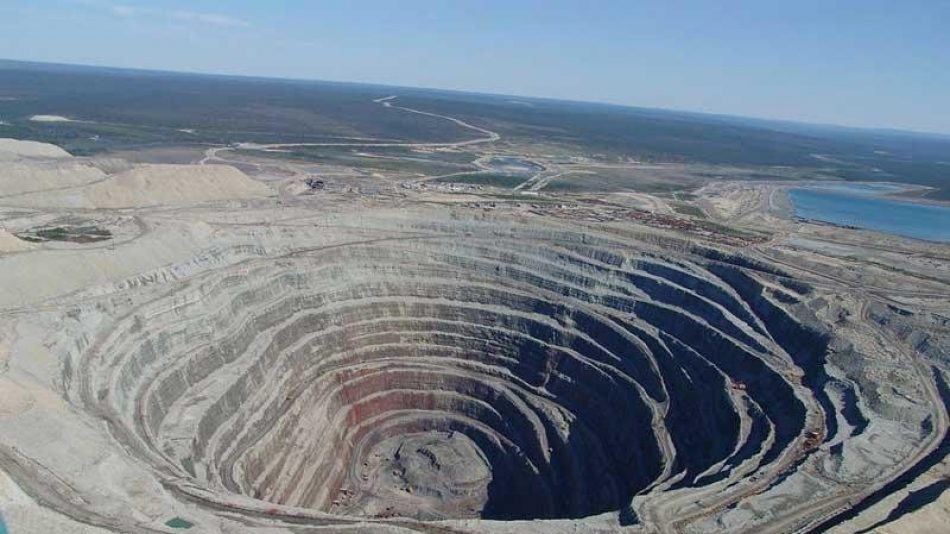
(12,243)
(12,149)
(152,185)
(50,118)
(81,185)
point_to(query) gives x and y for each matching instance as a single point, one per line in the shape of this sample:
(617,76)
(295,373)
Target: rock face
(504,381)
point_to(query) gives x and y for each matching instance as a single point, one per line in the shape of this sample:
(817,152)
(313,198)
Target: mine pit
(503,382)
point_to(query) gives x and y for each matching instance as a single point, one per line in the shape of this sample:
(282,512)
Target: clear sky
(852,62)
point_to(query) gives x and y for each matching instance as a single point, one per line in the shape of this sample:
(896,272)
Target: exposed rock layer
(581,376)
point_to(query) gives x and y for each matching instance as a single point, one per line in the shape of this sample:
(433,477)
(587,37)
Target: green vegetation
(365,159)
(177,522)
(121,109)
(458,157)
(566,186)
(72,234)
(130,109)
(687,209)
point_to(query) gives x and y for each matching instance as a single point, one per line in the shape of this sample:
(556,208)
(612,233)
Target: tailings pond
(864,206)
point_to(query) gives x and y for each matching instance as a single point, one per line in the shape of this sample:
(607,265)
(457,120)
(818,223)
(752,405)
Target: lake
(862,205)
(513,165)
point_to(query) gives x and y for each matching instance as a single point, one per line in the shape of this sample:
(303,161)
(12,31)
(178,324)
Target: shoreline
(909,193)
(791,211)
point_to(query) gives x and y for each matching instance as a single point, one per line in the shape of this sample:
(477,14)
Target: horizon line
(711,114)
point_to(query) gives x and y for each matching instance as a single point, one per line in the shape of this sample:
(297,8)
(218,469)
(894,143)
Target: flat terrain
(100,111)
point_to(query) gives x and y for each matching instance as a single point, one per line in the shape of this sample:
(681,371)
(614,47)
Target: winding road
(488,136)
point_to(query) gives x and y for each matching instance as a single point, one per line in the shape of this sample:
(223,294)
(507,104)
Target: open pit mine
(204,352)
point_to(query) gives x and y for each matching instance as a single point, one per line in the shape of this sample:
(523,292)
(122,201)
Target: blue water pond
(861,205)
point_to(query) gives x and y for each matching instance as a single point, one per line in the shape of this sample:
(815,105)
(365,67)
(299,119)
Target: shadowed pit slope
(388,380)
